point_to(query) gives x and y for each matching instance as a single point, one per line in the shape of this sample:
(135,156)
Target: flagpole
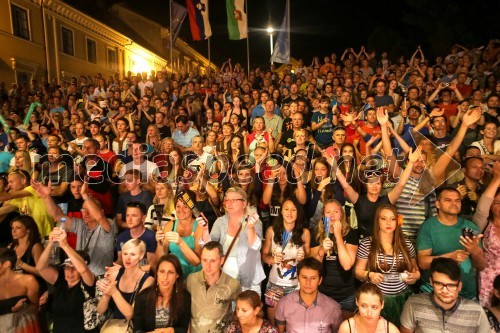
(171,39)
(209,63)
(288,20)
(248,41)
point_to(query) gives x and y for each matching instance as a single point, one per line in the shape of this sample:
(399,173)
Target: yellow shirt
(34,206)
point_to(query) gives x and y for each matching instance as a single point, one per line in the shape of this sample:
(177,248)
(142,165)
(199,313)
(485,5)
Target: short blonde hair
(301,130)
(135,243)
(237,190)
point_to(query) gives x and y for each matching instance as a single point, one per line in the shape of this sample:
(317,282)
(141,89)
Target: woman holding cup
(286,243)
(181,236)
(336,246)
(388,260)
(240,233)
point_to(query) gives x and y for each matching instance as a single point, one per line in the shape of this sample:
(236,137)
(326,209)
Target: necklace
(392,265)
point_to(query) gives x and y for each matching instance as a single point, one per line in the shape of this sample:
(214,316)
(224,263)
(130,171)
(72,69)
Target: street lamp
(270,31)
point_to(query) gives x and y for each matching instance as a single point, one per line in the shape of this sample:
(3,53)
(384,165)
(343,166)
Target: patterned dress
(491,248)
(265,328)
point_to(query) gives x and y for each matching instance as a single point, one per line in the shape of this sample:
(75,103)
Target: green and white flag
(236,19)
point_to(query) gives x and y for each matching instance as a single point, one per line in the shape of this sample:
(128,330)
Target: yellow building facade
(48,38)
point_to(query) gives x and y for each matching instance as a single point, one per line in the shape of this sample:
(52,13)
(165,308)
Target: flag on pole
(281,52)
(236,19)
(177,16)
(198,19)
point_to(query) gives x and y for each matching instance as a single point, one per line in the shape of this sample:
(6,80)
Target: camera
(468,232)
(446,84)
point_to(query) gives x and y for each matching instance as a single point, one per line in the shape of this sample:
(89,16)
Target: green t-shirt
(444,239)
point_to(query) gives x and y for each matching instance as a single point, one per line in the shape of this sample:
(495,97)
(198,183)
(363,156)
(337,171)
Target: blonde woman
(336,245)
(122,284)
(164,196)
(22,160)
(153,137)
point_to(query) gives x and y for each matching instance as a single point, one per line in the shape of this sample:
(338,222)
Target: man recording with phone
(449,235)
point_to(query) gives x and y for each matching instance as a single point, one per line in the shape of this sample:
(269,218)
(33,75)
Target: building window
(67,41)
(20,22)
(91,51)
(112,59)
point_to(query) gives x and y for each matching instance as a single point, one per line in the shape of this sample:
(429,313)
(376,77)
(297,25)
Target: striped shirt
(411,204)
(422,314)
(392,284)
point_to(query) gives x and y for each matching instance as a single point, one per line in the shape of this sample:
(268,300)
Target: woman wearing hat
(71,283)
(181,236)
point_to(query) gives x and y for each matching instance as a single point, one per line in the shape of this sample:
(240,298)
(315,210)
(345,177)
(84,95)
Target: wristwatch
(367,275)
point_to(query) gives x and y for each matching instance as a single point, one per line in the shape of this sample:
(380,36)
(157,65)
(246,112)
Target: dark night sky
(320,27)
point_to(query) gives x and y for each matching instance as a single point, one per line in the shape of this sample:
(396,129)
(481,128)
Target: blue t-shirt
(147,237)
(323,135)
(144,197)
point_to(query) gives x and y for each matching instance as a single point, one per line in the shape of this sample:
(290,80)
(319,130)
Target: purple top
(323,316)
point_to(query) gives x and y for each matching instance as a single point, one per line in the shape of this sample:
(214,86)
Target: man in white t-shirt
(140,162)
(75,146)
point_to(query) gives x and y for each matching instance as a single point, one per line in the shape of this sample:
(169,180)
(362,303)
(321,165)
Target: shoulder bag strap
(86,247)
(216,210)
(86,295)
(137,284)
(243,225)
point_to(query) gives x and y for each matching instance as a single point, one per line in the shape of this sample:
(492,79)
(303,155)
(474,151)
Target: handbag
(121,325)
(91,318)
(117,326)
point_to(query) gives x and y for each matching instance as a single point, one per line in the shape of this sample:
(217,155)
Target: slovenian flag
(198,19)
(236,19)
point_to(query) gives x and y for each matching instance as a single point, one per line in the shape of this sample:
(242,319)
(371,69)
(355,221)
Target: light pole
(270,31)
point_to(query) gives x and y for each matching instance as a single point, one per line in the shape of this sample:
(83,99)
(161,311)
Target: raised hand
(382,116)
(414,155)
(252,220)
(472,116)
(337,229)
(42,190)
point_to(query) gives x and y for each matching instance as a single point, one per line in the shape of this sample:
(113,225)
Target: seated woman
(163,201)
(249,315)
(335,246)
(388,260)
(165,304)
(286,243)
(181,236)
(69,284)
(370,302)
(240,233)
(27,244)
(122,284)
(18,297)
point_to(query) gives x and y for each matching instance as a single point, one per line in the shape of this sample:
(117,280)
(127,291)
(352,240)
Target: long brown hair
(321,232)
(177,300)
(31,227)
(398,244)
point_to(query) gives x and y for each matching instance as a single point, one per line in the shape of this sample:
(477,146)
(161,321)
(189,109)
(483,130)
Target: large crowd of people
(356,194)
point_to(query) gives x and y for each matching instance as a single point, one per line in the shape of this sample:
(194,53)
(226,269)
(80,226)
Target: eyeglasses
(226,201)
(440,286)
